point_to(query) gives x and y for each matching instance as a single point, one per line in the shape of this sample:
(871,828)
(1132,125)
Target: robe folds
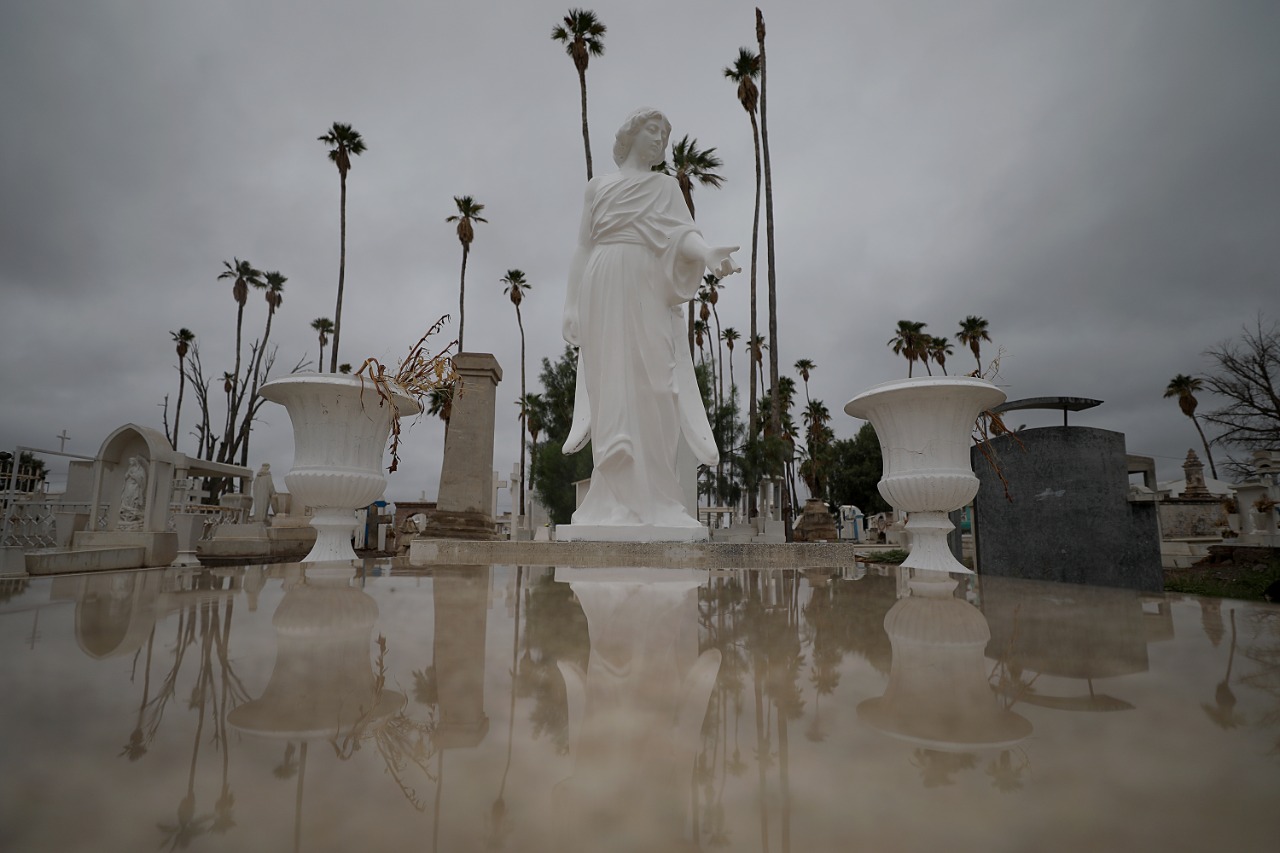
(636,392)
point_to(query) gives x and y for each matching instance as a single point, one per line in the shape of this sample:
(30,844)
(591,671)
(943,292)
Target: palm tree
(910,341)
(324,326)
(468,213)
(730,336)
(535,414)
(1184,387)
(973,331)
(758,346)
(690,163)
(768,227)
(273,285)
(344,142)
(743,72)
(700,338)
(440,403)
(804,367)
(711,283)
(582,35)
(515,289)
(939,349)
(242,274)
(182,339)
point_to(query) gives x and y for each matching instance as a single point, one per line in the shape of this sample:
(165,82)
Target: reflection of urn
(340,429)
(636,713)
(323,684)
(925,428)
(938,695)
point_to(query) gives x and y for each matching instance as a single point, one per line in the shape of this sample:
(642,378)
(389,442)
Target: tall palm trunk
(233,396)
(1208,454)
(775,413)
(752,412)
(253,390)
(524,414)
(462,297)
(342,270)
(177,413)
(586,136)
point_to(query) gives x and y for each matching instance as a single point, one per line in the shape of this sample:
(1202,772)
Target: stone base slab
(63,562)
(451,524)
(628,533)
(687,555)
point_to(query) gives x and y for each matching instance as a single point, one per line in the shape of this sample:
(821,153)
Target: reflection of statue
(636,712)
(639,258)
(264,489)
(133,496)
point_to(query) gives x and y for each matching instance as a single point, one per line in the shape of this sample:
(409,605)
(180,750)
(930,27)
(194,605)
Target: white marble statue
(133,496)
(264,489)
(639,259)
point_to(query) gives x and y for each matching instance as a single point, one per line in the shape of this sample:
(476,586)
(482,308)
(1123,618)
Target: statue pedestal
(629,533)
(463,509)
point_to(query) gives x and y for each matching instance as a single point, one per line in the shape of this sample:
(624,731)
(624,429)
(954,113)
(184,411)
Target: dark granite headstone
(1070,518)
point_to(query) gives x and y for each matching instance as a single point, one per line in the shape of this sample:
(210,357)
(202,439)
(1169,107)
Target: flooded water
(542,709)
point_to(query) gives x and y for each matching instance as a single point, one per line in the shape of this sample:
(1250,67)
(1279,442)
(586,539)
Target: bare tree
(1247,375)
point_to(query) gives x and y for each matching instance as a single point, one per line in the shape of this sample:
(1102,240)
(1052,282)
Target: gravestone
(1068,517)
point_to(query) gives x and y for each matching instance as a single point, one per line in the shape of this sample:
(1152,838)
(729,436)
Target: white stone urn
(925,428)
(340,430)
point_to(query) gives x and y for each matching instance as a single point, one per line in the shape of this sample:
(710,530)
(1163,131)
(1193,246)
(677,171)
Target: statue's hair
(626,134)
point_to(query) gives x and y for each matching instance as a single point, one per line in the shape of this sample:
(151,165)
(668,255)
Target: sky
(1097,179)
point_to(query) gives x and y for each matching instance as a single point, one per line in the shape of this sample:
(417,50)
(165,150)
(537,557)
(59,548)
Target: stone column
(466,476)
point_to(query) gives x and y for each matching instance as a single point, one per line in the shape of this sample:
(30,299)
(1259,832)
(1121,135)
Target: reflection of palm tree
(188,826)
(937,767)
(498,826)
(1005,774)
(137,745)
(288,767)
(1223,710)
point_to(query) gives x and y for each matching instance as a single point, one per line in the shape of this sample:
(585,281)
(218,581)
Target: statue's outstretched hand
(720,260)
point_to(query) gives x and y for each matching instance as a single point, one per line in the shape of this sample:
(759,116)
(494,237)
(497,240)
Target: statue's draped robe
(637,392)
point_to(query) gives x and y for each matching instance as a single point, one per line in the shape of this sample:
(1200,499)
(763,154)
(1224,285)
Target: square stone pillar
(463,508)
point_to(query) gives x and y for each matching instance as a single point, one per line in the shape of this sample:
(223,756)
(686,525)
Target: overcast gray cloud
(1097,179)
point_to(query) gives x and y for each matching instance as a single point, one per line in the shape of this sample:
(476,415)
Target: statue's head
(626,133)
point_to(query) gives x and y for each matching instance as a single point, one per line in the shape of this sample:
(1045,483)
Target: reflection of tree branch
(155,712)
(400,740)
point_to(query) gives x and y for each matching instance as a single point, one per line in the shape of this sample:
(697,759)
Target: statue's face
(647,142)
